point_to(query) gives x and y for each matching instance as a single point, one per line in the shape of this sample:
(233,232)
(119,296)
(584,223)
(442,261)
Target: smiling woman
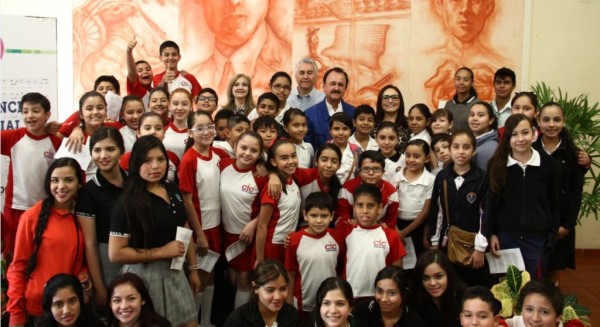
(268,307)
(64,305)
(130,303)
(436,293)
(389,306)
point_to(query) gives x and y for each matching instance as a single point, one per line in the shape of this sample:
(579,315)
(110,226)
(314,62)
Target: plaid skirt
(169,290)
(109,269)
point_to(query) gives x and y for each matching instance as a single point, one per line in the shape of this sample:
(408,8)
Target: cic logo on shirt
(381,244)
(49,154)
(331,247)
(248,188)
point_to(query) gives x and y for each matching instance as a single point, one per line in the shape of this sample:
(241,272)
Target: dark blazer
(317,120)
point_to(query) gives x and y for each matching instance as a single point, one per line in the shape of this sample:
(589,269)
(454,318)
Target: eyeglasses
(371,170)
(390,97)
(280,87)
(202,129)
(211,99)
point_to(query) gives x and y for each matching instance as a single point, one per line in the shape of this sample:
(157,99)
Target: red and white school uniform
(90,171)
(30,156)
(129,137)
(284,219)
(173,164)
(313,258)
(225,146)
(389,201)
(200,176)
(175,139)
(187,81)
(368,250)
(240,203)
(309,181)
(137,88)
(66,128)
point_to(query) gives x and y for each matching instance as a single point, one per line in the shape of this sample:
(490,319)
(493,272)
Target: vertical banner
(27,64)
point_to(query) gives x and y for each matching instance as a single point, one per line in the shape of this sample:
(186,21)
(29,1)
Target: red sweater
(61,251)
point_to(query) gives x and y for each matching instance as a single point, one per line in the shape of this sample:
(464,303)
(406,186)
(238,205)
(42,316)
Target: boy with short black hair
(440,143)
(266,105)
(268,129)
(480,308)
(105,83)
(371,165)
(313,253)
(221,123)
(236,126)
(102,85)
(364,124)
(172,77)
(139,73)
(340,129)
(369,246)
(505,81)
(31,151)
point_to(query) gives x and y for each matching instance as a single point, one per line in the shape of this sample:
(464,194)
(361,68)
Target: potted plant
(507,292)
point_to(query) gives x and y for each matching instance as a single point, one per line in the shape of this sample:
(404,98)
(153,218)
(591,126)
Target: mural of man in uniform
(245,42)
(464,21)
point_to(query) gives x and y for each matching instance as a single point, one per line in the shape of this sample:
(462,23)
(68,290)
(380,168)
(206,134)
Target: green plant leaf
(581,310)
(570,300)
(514,279)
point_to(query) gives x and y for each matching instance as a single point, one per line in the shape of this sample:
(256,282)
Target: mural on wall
(416,45)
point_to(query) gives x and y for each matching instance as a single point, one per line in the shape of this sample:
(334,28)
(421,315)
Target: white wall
(62,10)
(564,52)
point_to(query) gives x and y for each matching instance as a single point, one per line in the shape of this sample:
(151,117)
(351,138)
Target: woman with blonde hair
(239,95)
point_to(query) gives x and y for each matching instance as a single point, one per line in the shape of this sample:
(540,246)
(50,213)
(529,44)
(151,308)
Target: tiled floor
(585,282)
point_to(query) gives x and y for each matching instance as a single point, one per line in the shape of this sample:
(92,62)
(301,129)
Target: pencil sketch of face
(465,19)
(235,21)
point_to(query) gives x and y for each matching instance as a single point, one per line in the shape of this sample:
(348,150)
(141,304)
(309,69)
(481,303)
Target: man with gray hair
(305,95)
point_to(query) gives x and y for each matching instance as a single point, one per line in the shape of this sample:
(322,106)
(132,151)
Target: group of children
(244,180)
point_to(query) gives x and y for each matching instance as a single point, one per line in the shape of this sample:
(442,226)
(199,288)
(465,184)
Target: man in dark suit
(335,82)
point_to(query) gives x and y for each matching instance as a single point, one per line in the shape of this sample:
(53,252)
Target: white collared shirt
(305,153)
(371,145)
(422,135)
(412,195)
(502,114)
(533,161)
(332,111)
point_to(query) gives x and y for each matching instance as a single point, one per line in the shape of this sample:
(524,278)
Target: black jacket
(248,315)
(529,202)
(464,205)
(571,183)
(370,314)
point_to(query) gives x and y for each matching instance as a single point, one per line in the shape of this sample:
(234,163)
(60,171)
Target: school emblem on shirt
(49,154)
(381,244)
(248,188)
(471,197)
(331,247)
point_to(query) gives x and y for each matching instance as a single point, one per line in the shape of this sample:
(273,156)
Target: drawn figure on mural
(102,31)
(464,21)
(362,50)
(245,42)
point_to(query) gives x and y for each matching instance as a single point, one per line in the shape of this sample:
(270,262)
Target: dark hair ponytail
(39,231)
